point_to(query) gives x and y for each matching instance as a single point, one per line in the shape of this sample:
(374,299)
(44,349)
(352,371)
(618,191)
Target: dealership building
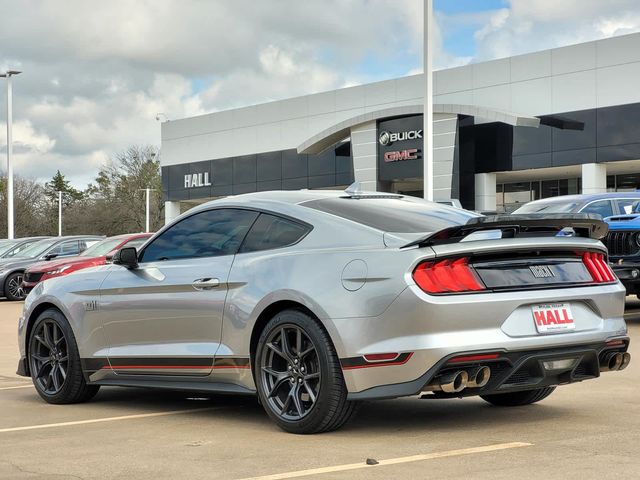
(507,131)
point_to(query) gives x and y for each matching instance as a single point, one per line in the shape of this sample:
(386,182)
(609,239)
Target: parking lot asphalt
(582,431)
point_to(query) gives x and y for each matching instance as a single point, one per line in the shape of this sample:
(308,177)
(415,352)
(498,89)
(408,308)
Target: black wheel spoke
(307,352)
(310,392)
(298,341)
(287,403)
(47,337)
(40,372)
(281,378)
(63,371)
(286,349)
(42,341)
(295,395)
(276,350)
(312,376)
(54,376)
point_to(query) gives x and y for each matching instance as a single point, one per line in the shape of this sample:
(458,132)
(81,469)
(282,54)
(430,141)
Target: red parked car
(95,255)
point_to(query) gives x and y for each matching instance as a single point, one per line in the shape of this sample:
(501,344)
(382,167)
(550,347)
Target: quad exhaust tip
(454,382)
(478,377)
(626,359)
(615,361)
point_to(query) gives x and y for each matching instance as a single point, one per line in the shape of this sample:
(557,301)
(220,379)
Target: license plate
(553,318)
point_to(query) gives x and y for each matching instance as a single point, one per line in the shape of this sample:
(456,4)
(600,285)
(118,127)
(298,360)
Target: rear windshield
(397,214)
(548,207)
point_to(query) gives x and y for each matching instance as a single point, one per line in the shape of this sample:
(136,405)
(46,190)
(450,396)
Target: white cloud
(531,25)
(96,73)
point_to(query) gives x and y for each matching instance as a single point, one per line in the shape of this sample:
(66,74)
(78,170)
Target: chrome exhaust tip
(626,359)
(478,377)
(612,361)
(453,382)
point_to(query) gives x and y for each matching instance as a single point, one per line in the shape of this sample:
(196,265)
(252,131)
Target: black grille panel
(33,277)
(622,244)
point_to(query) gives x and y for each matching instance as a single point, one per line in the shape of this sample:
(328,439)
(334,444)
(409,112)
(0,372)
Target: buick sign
(387,138)
(193,180)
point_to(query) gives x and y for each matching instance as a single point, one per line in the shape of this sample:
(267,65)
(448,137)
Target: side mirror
(50,256)
(127,257)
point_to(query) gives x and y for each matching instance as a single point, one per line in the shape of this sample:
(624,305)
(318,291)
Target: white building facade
(554,122)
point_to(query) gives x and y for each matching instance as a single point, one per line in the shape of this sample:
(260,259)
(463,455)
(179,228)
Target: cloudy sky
(97,72)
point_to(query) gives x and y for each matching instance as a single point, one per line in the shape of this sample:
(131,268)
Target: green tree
(60,184)
(117,194)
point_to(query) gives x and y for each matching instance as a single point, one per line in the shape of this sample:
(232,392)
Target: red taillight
(446,276)
(598,267)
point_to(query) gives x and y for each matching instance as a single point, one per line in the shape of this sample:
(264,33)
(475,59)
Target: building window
(510,196)
(626,183)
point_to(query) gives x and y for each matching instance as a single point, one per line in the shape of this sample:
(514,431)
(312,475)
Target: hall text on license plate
(553,318)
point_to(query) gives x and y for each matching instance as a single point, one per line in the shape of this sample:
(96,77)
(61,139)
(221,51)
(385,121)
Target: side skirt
(212,387)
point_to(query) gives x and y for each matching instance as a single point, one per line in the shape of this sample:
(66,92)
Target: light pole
(8,74)
(59,213)
(428,102)
(147,195)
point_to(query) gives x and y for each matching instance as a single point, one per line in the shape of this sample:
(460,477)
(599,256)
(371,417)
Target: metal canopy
(330,136)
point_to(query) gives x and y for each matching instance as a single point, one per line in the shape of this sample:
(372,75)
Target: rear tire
(299,376)
(54,361)
(13,287)
(517,399)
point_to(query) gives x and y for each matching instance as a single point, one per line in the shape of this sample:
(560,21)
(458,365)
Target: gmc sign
(399,155)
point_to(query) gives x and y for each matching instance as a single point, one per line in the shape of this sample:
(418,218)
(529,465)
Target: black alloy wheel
(290,372)
(54,361)
(13,287)
(49,357)
(299,377)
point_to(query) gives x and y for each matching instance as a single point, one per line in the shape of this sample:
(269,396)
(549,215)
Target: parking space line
(17,386)
(392,461)
(106,419)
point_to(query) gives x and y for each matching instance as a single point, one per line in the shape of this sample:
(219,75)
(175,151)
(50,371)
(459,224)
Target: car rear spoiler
(587,225)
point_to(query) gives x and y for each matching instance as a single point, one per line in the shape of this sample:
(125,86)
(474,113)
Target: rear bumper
(511,371)
(433,328)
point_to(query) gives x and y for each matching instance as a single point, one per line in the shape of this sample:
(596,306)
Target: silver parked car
(315,300)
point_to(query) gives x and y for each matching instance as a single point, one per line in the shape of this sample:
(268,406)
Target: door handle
(205,283)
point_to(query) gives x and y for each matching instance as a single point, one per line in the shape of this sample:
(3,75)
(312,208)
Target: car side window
(601,207)
(18,249)
(210,233)
(66,249)
(271,231)
(136,242)
(626,205)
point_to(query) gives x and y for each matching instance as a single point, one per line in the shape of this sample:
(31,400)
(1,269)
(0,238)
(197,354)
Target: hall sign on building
(193,180)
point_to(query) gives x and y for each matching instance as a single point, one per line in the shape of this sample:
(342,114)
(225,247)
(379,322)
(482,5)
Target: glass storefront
(510,196)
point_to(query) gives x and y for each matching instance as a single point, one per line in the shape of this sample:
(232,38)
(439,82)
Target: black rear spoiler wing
(587,225)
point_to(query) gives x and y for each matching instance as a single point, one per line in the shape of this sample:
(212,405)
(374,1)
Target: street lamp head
(10,73)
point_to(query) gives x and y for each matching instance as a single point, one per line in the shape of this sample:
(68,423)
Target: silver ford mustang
(316,300)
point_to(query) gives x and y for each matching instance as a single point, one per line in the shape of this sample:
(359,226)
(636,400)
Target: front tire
(54,361)
(517,399)
(13,287)
(299,377)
